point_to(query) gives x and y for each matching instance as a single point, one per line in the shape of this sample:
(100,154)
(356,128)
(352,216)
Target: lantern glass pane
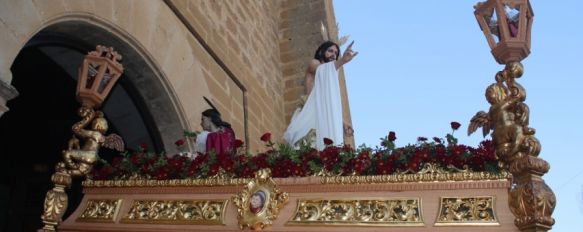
(490,18)
(91,74)
(512,16)
(104,82)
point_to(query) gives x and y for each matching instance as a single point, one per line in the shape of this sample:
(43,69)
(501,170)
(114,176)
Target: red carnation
(455,125)
(179,142)
(392,136)
(328,141)
(238,143)
(266,137)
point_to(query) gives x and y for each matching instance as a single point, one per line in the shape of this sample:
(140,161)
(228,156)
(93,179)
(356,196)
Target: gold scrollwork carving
(100,210)
(429,173)
(517,149)
(56,201)
(358,212)
(463,211)
(165,183)
(259,202)
(195,212)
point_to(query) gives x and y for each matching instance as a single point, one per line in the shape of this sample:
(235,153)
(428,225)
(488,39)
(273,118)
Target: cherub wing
(115,142)
(481,119)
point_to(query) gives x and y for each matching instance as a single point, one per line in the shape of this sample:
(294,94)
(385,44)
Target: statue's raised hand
(349,53)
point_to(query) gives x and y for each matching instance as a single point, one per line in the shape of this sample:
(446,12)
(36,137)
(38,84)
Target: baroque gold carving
(531,201)
(507,117)
(100,210)
(430,173)
(358,212)
(259,202)
(165,183)
(463,211)
(196,212)
(78,159)
(56,201)
(77,162)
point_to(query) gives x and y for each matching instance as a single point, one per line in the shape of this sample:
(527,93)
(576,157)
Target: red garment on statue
(222,141)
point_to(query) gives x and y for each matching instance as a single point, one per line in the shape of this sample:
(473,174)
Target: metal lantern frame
(98,73)
(509,47)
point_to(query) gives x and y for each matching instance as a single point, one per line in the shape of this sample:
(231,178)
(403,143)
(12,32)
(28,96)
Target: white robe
(322,110)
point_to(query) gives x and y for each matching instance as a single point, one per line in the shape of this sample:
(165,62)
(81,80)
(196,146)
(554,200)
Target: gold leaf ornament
(258,204)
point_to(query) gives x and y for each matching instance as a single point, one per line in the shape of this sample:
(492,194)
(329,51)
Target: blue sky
(424,64)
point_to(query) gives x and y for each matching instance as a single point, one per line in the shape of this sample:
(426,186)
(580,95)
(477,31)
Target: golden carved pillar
(56,201)
(506,25)
(98,73)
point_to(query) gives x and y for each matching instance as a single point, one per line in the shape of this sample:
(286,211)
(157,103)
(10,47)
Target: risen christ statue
(322,110)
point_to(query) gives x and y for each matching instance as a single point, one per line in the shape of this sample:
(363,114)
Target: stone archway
(71,35)
(170,64)
(141,74)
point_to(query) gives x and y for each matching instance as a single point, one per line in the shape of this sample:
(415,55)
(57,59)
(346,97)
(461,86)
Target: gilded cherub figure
(79,160)
(508,115)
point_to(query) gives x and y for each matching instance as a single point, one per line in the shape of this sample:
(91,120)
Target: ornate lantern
(506,25)
(97,75)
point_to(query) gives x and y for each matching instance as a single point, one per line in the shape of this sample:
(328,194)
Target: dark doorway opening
(36,129)
(32,135)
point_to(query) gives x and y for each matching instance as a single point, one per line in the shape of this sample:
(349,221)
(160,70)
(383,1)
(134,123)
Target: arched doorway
(35,130)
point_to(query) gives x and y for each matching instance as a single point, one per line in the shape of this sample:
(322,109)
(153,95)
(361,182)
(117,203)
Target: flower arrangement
(285,161)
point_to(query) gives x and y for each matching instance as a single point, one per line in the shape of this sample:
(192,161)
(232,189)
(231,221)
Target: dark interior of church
(39,118)
(37,126)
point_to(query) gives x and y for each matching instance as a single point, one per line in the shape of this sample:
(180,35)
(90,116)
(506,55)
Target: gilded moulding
(430,173)
(194,212)
(100,210)
(464,211)
(165,183)
(258,204)
(358,212)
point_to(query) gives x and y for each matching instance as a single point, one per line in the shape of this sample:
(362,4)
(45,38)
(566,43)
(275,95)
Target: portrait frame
(257,201)
(264,188)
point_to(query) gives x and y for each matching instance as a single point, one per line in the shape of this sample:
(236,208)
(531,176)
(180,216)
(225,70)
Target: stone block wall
(244,66)
(247,56)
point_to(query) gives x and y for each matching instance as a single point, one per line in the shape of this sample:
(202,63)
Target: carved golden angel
(508,115)
(79,160)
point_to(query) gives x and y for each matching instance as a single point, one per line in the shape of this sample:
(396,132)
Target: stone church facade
(248,57)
